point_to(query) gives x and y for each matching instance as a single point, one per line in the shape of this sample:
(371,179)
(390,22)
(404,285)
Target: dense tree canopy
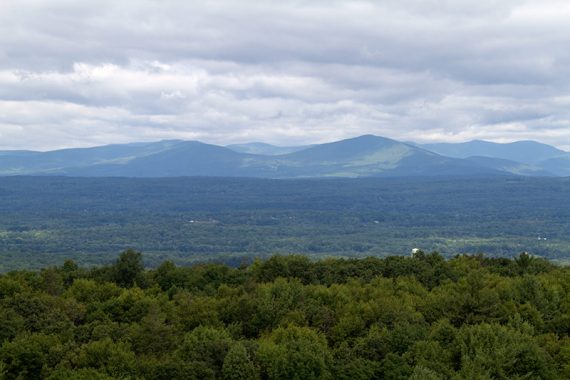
(419,317)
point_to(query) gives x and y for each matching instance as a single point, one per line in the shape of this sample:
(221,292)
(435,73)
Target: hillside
(184,158)
(265,149)
(373,156)
(558,165)
(526,152)
(365,156)
(510,166)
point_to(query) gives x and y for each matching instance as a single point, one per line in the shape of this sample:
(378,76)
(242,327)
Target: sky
(83,73)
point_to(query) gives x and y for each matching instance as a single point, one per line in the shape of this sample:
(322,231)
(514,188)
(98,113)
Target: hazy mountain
(184,158)
(364,156)
(17,153)
(527,152)
(265,149)
(371,156)
(510,166)
(61,161)
(559,165)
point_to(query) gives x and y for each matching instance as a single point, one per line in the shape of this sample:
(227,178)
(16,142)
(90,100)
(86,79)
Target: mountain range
(364,156)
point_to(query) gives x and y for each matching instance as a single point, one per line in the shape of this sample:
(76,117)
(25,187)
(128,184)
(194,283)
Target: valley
(46,220)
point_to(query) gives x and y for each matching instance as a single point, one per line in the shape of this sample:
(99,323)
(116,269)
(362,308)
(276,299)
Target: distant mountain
(509,166)
(17,153)
(265,149)
(559,166)
(61,161)
(526,152)
(371,156)
(183,158)
(364,156)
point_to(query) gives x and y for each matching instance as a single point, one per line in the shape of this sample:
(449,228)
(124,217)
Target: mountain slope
(265,149)
(527,152)
(370,156)
(510,166)
(61,161)
(560,166)
(187,158)
(364,156)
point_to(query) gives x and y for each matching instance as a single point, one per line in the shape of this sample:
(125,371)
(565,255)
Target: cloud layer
(82,73)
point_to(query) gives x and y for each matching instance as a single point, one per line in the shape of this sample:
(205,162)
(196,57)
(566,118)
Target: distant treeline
(288,317)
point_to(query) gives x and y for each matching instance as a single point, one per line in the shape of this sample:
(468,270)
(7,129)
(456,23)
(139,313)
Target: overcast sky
(83,73)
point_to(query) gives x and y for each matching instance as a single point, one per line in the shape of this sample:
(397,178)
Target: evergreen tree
(128,268)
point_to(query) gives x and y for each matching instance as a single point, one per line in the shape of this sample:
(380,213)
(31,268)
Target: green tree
(238,365)
(208,345)
(153,336)
(295,353)
(78,374)
(113,359)
(350,364)
(29,356)
(524,261)
(501,352)
(128,268)
(11,323)
(394,367)
(423,373)
(70,271)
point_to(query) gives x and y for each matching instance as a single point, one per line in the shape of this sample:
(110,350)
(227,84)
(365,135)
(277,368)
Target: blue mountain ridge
(363,156)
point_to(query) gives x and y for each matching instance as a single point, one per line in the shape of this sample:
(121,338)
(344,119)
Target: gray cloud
(80,73)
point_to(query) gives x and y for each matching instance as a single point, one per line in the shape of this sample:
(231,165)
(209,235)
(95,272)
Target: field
(45,220)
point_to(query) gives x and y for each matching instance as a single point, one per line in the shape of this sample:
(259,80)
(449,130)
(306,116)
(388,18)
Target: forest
(46,220)
(289,317)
